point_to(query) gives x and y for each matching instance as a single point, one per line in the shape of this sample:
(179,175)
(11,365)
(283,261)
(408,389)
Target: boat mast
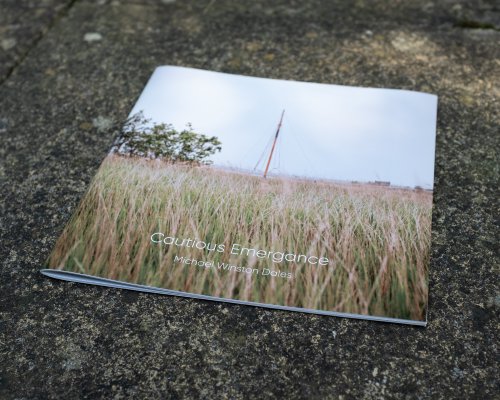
(274,144)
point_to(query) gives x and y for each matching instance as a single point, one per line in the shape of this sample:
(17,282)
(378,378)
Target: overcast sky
(328,132)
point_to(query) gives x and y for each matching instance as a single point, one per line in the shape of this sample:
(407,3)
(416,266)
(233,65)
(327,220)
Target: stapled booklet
(290,195)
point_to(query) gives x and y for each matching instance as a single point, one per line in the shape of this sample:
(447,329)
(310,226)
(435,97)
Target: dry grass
(378,239)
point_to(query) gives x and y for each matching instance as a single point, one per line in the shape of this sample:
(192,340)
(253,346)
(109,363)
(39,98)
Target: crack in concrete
(473,24)
(43,32)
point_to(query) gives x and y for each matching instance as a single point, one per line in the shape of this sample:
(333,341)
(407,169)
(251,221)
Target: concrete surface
(71,70)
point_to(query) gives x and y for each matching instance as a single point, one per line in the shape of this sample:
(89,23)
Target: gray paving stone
(63,340)
(22,24)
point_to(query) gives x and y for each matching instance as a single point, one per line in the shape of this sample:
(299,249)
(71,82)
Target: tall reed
(377,238)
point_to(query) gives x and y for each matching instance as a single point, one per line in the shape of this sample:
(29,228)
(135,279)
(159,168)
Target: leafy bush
(140,137)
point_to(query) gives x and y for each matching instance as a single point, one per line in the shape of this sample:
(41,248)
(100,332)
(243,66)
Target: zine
(307,197)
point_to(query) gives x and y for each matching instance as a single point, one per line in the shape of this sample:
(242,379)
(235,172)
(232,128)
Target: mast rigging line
(304,155)
(263,153)
(275,153)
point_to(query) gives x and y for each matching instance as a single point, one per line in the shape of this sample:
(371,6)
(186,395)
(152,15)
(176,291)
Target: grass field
(377,238)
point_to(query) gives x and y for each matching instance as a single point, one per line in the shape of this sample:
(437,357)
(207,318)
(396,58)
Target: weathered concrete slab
(66,340)
(22,24)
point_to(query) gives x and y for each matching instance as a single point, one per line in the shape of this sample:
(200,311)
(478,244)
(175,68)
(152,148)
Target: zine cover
(291,195)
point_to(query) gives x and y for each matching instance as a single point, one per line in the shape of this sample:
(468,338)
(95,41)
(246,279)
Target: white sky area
(329,131)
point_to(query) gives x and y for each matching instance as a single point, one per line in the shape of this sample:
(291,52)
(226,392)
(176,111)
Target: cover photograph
(282,194)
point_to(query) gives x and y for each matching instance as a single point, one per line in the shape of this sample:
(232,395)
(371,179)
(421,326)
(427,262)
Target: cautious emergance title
(238,249)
